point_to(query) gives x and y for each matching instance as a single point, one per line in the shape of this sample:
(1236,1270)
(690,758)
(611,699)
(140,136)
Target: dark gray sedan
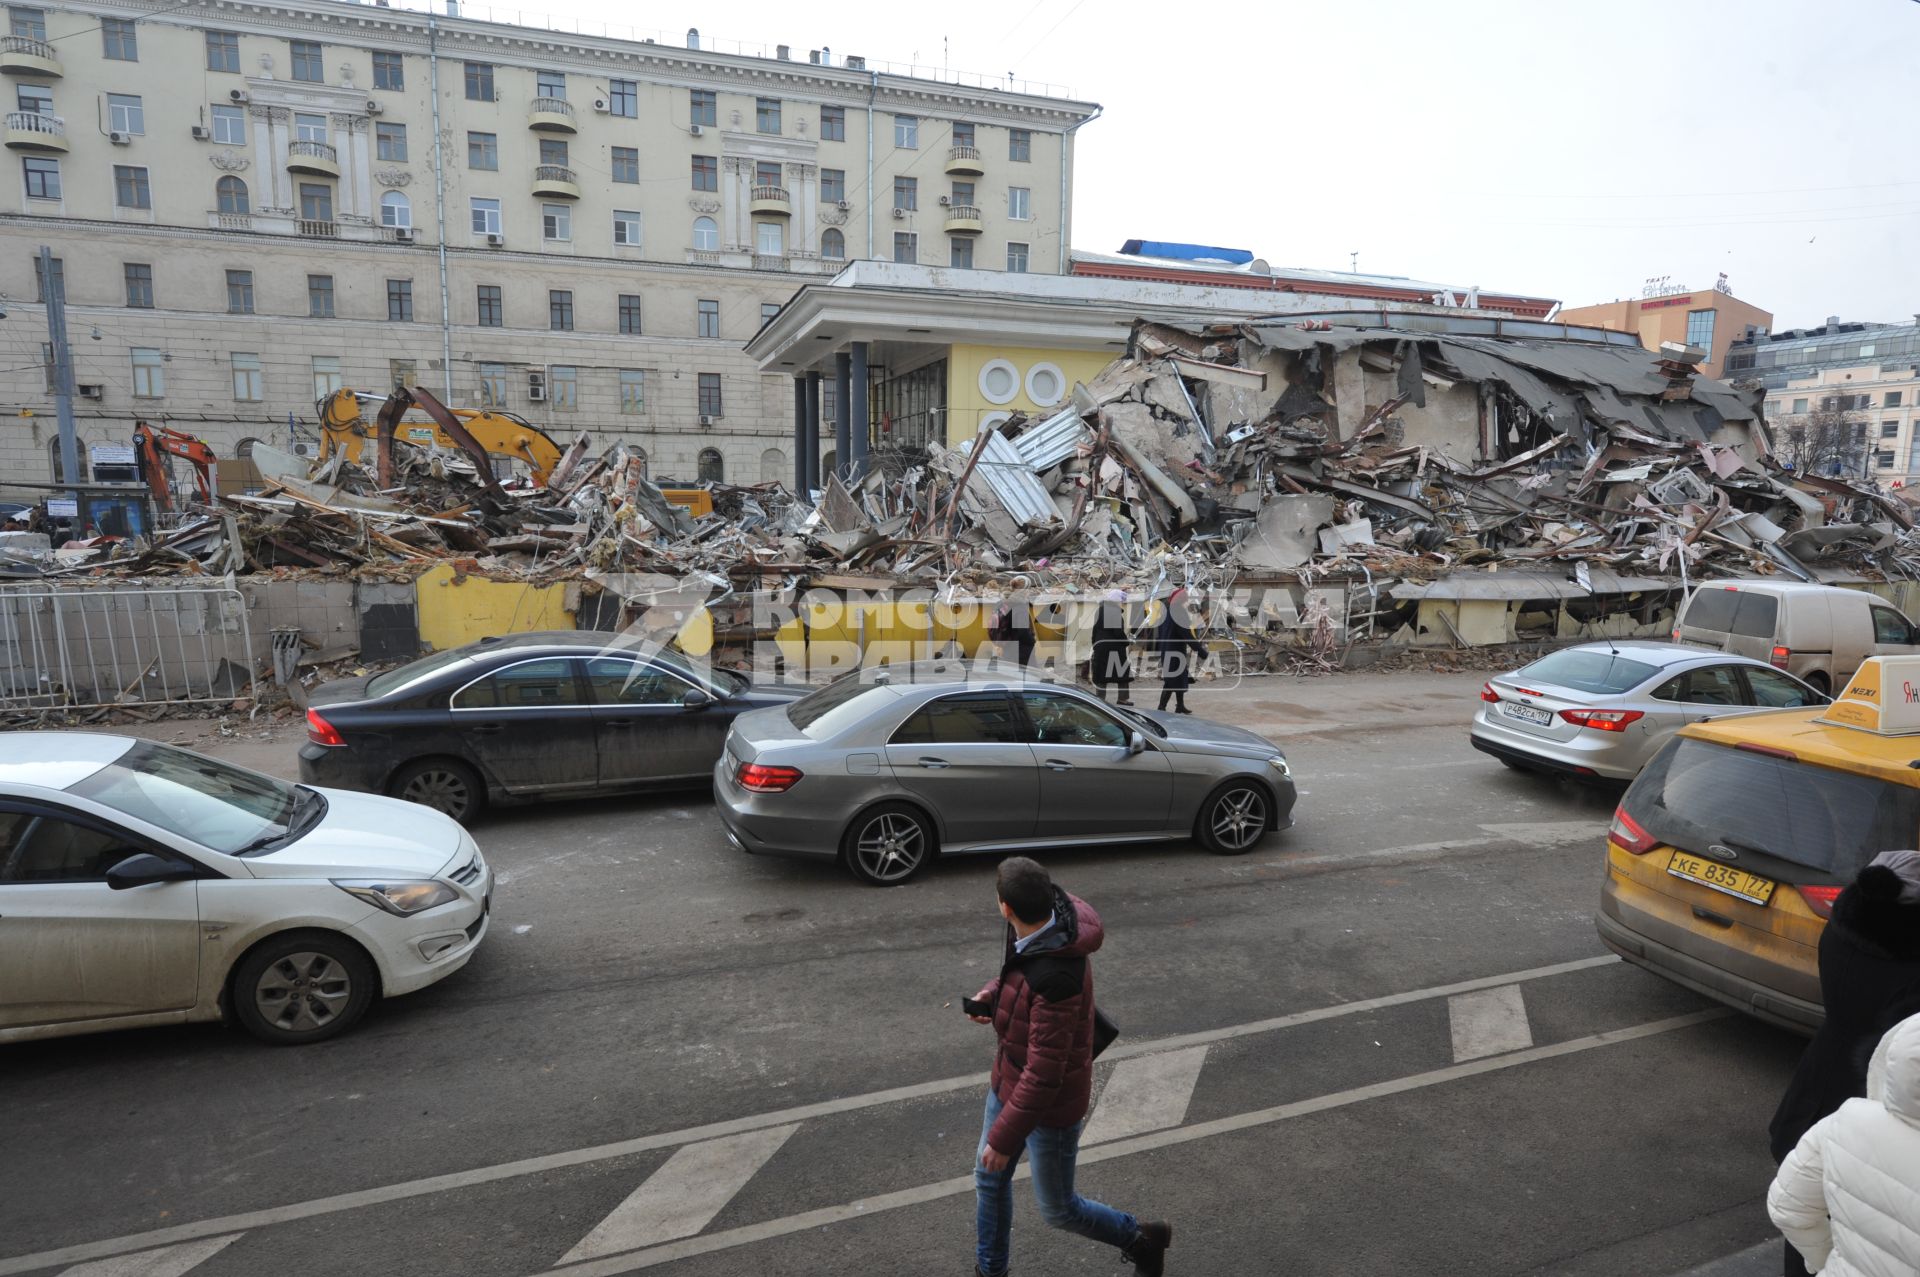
(884,769)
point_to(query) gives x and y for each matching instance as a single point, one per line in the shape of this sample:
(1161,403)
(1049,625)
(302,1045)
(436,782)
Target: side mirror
(695,699)
(1136,744)
(143,868)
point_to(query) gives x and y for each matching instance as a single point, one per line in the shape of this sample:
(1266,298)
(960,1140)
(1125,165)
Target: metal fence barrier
(126,643)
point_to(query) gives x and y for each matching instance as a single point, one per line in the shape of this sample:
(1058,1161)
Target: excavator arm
(344,428)
(156,443)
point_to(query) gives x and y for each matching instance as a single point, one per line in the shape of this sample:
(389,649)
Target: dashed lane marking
(1147,1093)
(683,1196)
(170,1262)
(1488,1022)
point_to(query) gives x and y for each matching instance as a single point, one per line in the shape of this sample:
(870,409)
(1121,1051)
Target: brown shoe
(1148,1253)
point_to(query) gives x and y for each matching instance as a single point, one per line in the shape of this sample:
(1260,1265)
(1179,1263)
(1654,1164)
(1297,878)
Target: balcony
(965,161)
(770,261)
(771,199)
(316,158)
(964,219)
(20,55)
(551,115)
(32,131)
(556,181)
(316,228)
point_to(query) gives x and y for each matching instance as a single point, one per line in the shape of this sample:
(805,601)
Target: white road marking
(171,1262)
(683,1196)
(732,1126)
(868,1206)
(1147,1093)
(1553,833)
(1488,1022)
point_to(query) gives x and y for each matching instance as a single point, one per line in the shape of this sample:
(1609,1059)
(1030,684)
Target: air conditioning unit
(201,133)
(600,105)
(403,234)
(91,390)
(537,386)
(120,139)
(899,213)
(238,95)
(856,63)
(945,200)
(844,205)
(373,107)
(695,129)
(495,239)
(708,423)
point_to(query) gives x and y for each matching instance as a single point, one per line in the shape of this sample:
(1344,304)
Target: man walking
(1041,1009)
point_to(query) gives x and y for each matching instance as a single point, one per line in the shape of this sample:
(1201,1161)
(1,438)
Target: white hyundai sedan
(142,884)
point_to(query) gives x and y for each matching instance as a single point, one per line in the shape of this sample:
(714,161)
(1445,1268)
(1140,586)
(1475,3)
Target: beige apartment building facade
(251,205)
(1708,318)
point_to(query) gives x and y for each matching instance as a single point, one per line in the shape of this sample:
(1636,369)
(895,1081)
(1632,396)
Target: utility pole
(62,376)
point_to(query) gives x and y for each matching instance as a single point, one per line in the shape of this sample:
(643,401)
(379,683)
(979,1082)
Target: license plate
(1526,713)
(1724,878)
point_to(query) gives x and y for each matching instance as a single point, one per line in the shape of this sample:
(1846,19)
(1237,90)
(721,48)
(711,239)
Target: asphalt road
(1387,1041)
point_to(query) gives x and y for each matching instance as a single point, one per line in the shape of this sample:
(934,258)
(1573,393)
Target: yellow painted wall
(967,407)
(454,612)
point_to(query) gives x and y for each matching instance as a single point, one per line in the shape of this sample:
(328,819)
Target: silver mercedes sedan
(1601,710)
(886,768)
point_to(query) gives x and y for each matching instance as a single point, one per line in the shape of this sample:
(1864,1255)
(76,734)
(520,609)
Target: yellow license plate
(1725,878)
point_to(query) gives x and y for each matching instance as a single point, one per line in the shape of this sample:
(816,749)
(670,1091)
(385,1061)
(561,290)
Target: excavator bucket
(450,424)
(389,420)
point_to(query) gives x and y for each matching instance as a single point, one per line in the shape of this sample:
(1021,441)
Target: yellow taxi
(1726,855)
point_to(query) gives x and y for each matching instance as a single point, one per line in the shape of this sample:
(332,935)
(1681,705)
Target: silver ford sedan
(885,768)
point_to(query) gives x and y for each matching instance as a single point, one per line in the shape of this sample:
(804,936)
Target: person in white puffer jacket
(1848,1195)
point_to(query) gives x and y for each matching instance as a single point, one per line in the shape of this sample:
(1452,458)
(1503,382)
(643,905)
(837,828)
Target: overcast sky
(1557,149)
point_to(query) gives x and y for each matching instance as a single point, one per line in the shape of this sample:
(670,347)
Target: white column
(803,234)
(359,175)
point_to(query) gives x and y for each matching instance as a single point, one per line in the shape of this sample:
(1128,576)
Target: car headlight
(406,897)
(1279,764)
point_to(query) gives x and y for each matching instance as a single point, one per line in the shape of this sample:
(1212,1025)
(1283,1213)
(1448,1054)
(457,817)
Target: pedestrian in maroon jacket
(1042,1012)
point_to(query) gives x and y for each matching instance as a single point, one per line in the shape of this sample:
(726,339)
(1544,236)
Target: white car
(142,884)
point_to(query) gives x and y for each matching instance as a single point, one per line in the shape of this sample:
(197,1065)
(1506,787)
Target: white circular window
(1046,384)
(999,381)
(993,419)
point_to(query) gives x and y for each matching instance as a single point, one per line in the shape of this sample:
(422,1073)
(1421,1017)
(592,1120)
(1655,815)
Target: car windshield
(726,682)
(1586,670)
(412,672)
(1138,719)
(226,808)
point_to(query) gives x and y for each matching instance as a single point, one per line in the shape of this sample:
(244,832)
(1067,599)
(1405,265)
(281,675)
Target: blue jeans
(1052,1152)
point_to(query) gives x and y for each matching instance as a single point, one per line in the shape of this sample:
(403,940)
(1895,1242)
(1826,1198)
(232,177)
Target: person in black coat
(1869,982)
(1013,625)
(1179,651)
(1111,661)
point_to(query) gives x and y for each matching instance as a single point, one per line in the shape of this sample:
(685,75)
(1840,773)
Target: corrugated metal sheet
(1046,445)
(1012,480)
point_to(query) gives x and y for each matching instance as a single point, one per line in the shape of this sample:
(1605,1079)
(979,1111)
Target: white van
(1819,633)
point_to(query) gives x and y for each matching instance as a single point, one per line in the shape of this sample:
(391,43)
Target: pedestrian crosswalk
(682,1197)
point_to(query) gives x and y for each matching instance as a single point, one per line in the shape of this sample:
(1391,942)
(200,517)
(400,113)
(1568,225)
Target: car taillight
(1488,695)
(1820,899)
(1602,720)
(321,732)
(1626,832)
(1781,655)
(767,780)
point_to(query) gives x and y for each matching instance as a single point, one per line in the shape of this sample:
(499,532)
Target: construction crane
(154,444)
(344,428)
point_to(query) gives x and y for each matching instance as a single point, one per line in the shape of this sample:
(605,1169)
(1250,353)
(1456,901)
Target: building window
(769,239)
(704,108)
(1799,407)
(230,194)
(906,246)
(630,314)
(960,252)
(490,308)
(479,81)
(34,98)
(326,376)
(766,173)
(833,246)
(962,194)
(563,387)
(623,98)
(239,292)
(833,185)
(709,395)
(308,64)
(906,193)
(402,373)
(768,310)
(633,391)
(389,71)
(1883,460)
(560,310)
(1020,205)
(248,384)
(1700,329)
(553,150)
(486,217)
(30,24)
(556,222)
(833,124)
(906,132)
(706,173)
(962,134)
(707,318)
(626,164)
(1893,398)
(1017,258)
(139,285)
(223,51)
(230,125)
(118,41)
(483,151)
(706,234)
(626,227)
(43,178)
(395,211)
(125,114)
(550,84)
(1020,145)
(316,202)
(1889,430)
(390,141)
(399,301)
(310,128)
(766,115)
(493,385)
(320,296)
(149,375)
(713,468)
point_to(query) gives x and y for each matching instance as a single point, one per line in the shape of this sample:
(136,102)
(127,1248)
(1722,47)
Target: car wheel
(304,986)
(887,844)
(1819,683)
(1235,817)
(447,786)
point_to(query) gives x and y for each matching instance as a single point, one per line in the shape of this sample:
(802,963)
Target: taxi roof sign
(1883,697)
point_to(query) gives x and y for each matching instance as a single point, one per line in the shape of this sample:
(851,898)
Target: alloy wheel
(442,789)
(1239,818)
(890,847)
(303,992)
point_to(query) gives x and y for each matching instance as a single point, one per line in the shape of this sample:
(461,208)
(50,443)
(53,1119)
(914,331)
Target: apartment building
(1868,370)
(251,205)
(1711,319)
